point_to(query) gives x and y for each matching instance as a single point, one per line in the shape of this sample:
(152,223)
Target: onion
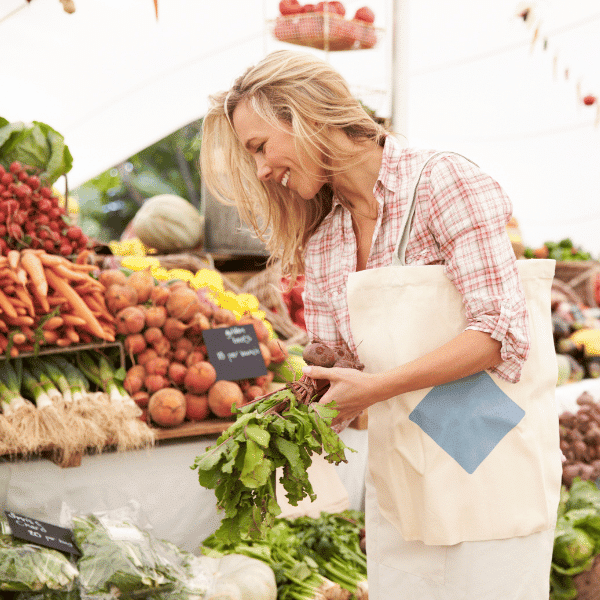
(183,303)
(143,283)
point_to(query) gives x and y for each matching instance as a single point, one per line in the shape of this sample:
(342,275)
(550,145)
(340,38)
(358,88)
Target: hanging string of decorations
(527,11)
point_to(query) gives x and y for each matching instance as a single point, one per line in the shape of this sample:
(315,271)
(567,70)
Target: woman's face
(275,154)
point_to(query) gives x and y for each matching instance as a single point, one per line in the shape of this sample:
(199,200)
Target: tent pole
(399,67)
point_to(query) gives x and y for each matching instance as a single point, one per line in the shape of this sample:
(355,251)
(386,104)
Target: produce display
(576,543)
(576,331)
(323,25)
(49,300)
(67,404)
(561,250)
(311,558)
(121,559)
(169,374)
(281,429)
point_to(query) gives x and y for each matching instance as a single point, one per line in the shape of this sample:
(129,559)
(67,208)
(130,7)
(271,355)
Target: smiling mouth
(285,178)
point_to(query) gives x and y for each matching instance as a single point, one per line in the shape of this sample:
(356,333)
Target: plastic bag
(26,566)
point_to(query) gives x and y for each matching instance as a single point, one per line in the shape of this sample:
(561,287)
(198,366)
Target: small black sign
(234,352)
(41,533)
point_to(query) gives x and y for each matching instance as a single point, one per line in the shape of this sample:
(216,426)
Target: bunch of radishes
(31,217)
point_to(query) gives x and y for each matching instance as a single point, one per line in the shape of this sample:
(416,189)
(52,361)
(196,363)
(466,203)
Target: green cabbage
(576,538)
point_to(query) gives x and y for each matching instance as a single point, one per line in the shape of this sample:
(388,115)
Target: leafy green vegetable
(576,538)
(306,554)
(118,554)
(26,566)
(241,468)
(36,145)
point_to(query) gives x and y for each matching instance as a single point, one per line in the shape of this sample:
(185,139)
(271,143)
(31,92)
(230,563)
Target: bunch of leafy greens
(36,145)
(311,558)
(120,558)
(241,468)
(577,537)
(26,566)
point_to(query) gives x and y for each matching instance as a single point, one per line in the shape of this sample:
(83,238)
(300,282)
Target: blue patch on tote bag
(467,418)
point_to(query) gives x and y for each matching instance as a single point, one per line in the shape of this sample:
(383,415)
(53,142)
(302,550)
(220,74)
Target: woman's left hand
(352,390)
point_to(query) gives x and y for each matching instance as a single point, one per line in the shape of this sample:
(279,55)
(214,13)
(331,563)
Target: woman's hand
(352,390)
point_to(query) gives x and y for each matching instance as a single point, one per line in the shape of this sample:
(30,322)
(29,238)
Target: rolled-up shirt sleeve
(468,215)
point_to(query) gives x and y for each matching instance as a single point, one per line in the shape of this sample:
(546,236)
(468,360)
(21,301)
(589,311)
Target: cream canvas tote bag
(475,459)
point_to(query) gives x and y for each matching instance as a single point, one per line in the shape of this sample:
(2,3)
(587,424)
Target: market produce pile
(576,543)
(304,558)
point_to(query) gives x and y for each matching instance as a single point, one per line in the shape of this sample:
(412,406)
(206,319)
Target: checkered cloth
(460,222)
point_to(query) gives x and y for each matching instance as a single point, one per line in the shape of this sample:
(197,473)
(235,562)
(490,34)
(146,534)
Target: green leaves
(241,468)
(37,145)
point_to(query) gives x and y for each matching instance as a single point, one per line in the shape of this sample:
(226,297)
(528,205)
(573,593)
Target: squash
(168,223)
(239,577)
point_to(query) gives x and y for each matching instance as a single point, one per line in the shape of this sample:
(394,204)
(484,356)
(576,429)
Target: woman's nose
(263,170)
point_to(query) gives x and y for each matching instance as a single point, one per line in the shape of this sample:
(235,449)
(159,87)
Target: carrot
(19,320)
(21,310)
(3,343)
(72,275)
(80,308)
(11,275)
(82,257)
(56,300)
(28,333)
(63,342)
(87,268)
(3,326)
(53,323)
(50,336)
(33,265)
(52,260)
(22,275)
(71,334)
(69,319)
(40,301)
(9,289)
(14,256)
(24,296)
(6,305)
(19,338)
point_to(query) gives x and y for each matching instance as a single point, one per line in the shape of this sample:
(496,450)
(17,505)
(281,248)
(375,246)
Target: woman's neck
(357,183)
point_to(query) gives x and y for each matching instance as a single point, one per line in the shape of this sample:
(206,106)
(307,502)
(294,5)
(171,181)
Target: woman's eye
(260,148)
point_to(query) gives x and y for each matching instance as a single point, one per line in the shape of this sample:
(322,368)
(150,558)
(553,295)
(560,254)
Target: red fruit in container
(290,7)
(589,100)
(333,7)
(15,167)
(364,13)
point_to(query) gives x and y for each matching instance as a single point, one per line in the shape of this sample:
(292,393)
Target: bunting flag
(528,12)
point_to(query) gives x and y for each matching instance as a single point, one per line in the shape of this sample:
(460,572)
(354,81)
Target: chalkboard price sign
(41,533)
(234,352)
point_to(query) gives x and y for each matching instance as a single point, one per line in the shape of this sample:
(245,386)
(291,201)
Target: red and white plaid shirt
(460,222)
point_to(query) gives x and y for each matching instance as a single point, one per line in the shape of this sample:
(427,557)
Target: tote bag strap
(399,256)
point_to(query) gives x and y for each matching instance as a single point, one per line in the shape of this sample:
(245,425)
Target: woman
(327,188)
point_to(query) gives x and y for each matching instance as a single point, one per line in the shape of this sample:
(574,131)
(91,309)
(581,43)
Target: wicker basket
(325,31)
(579,277)
(266,286)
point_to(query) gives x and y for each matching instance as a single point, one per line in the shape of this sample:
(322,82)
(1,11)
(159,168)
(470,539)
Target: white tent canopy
(113,80)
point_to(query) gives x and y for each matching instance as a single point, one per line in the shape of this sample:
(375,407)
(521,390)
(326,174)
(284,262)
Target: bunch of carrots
(47,299)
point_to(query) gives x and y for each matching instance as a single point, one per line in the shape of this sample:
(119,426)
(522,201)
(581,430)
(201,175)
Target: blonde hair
(306,93)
